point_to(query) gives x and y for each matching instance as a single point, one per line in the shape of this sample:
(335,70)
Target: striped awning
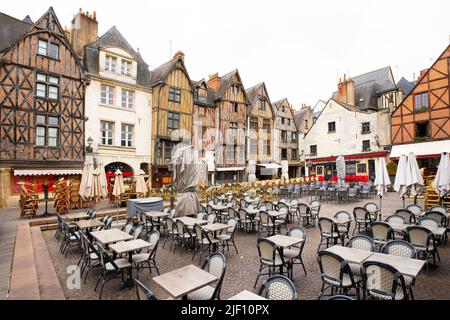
(47,172)
(230,169)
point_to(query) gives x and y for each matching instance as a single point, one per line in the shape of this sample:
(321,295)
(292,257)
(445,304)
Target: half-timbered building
(261,131)
(421,123)
(204,124)
(41,105)
(232,103)
(172,110)
(287,136)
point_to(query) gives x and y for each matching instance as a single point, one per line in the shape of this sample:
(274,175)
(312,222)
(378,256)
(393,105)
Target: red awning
(355,156)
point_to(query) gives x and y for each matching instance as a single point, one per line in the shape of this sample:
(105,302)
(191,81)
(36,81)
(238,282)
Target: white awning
(421,148)
(47,172)
(230,169)
(270,165)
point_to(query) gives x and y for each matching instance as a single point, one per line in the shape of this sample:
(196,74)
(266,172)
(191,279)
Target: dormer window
(110,63)
(126,67)
(262,104)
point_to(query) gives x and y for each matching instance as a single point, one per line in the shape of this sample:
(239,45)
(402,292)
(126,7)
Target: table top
(246,295)
(401,227)
(189,221)
(341,220)
(219,207)
(284,241)
(183,281)
(350,254)
(85,224)
(407,266)
(156,214)
(276,213)
(130,245)
(75,215)
(111,236)
(216,226)
(252,210)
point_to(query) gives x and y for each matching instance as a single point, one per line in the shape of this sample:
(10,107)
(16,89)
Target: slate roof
(278,103)
(11,29)
(300,115)
(371,84)
(254,92)
(405,86)
(210,96)
(225,84)
(115,38)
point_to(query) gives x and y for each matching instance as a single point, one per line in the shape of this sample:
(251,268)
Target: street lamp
(89,148)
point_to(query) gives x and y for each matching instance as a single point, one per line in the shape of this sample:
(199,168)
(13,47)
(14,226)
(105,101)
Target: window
(230,153)
(126,67)
(283,109)
(234,89)
(126,135)
(294,154)
(266,125)
(262,104)
(282,120)
(47,131)
(253,146)
(168,147)
(288,121)
(233,125)
(331,127)
(235,107)
(294,136)
(254,123)
(54,51)
(127,99)
(173,120)
(365,127)
(283,154)
(350,169)
(319,170)
(47,86)
(107,133)
(284,136)
(421,131)
(362,168)
(313,150)
(366,145)
(421,102)
(107,94)
(201,111)
(174,95)
(267,148)
(110,63)
(42,47)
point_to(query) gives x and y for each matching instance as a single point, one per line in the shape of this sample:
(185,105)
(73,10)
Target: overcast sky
(298,48)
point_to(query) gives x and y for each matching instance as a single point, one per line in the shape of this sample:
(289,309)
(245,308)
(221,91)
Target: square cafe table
(273,214)
(111,235)
(189,221)
(75,216)
(88,224)
(129,247)
(246,295)
(350,254)
(156,215)
(406,266)
(179,283)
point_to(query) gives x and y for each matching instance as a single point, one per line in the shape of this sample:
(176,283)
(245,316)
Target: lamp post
(89,148)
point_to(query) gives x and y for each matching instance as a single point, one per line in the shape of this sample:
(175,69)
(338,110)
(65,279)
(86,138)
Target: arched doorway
(127,171)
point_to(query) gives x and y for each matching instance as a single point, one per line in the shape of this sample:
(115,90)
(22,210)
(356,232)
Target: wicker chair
(423,240)
(147,259)
(228,237)
(383,282)
(278,287)
(304,213)
(361,242)
(408,215)
(373,210)
(344,228)
(438,216)
(415,209)
(203,241)
(362,219)
(294,253)
(142,292)
(314,206)
(215,264)
(329,232)
(381,233)
(270,257)
(336,274)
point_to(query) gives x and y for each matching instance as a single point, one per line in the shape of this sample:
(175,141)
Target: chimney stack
(346,90)
(422,72)
(214,81)
(84,31)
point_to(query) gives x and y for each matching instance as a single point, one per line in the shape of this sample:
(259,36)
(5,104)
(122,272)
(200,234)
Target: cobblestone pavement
(243,267)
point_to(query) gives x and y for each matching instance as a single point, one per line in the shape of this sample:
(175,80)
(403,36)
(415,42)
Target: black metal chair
(142,292)
(278,287)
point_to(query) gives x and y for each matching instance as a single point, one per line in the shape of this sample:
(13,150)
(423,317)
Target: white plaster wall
(140,117)
(348,138)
